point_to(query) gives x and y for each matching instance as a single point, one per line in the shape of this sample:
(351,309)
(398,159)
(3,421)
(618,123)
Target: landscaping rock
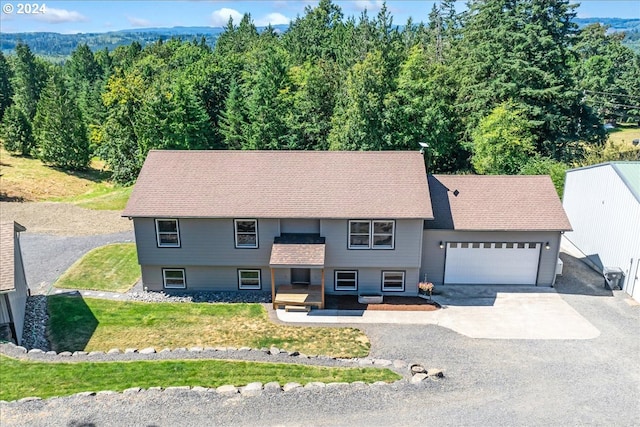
(175,389)
(315,384)
(418,378)
(274,350)
(95,353)
(336,384)
(114,351)
(35,351)
(209,349)
(51,353)
(382,362)
(293,353)
(165,350)
(85,394)
(105,392)
(221,348)
(180,350)
(227,389)
(21,349)
(273,386)
(200,389)
(132,390)
(435,373)
(291,386)
(29,399)
(130,350)
(148,350)
(65,354)
(80,353)
(416,369)
(252,389)
(244,349)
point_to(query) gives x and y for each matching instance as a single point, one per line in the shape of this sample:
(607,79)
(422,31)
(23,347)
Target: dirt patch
(350,302)
(63,218)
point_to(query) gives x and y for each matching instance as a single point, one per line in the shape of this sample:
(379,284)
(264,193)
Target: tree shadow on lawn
(71,323)
(91,174)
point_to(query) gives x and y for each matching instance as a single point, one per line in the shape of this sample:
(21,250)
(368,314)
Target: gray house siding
(205,242)
(18,297)
(294,225)
(408,244)
(605,216)
(370,281)
(199,278)
(433,257)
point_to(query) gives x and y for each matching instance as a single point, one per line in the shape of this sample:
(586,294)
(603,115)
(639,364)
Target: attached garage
(492,230)
(481,263)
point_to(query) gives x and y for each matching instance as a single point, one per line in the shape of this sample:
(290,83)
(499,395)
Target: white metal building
(603,205)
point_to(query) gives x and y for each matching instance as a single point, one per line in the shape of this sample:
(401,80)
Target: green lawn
(108,268)
(103,198)
(77,323)
(20,379)
(624,134)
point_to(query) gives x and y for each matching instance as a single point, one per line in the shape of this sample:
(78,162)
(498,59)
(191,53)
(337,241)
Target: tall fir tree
(60,131)
(17,132)
(29,78)
(6,90)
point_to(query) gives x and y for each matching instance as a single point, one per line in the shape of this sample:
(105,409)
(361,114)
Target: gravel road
(46,257)
(487,383)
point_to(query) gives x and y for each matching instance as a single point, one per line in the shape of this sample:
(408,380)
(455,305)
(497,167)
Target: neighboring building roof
(7,259)
(496,203)
(281,184)
(629,173)
(301,255)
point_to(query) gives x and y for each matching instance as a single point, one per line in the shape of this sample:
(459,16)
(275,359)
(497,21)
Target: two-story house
(328,223)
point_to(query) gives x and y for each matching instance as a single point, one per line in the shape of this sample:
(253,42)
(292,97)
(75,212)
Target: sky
(94,16)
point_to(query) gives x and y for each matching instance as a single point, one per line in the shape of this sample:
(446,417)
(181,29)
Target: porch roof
(306,255)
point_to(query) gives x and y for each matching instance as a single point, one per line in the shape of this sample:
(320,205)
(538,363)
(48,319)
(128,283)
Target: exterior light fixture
(423,145)
(441,245)
(547,246)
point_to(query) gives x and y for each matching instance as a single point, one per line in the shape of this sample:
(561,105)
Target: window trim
(158,233)
(358,247)
(235,233)
(374,234)
(335,280)
(164,278)
(404,280)
(251,287)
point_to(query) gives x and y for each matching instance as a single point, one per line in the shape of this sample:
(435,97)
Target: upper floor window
(376,234)
(167,233)
(246,231)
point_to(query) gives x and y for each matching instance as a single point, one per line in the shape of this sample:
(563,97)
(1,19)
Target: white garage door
(492,263)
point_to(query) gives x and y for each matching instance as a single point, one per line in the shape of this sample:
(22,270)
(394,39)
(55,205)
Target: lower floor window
(346,280)
(249,279)
(393,280)
(173,278)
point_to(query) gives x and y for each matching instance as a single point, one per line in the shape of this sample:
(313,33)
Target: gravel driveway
(487,383)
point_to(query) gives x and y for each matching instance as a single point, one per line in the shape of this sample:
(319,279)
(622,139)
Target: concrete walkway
(524,312)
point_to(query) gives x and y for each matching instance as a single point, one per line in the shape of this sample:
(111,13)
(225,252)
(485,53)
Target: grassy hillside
(27,179)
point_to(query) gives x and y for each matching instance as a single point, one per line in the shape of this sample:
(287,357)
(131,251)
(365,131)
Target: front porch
(299,295)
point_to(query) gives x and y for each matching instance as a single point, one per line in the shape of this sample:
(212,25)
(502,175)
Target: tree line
(507,86)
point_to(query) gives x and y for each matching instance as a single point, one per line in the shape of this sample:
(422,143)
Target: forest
(505,87)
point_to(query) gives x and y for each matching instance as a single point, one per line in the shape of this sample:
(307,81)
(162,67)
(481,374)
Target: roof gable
(281,184)
(496,203)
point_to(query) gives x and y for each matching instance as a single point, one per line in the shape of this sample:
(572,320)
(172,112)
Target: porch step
(297,308)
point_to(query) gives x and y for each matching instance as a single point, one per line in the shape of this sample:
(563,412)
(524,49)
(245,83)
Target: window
(371,234)
(359,234)
(393,280)
(173,278)
(246,231)
(383,234)
(249,279)
(167,233)
(346,280)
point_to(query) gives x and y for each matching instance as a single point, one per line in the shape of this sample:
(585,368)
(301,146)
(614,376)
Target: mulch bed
(390,303)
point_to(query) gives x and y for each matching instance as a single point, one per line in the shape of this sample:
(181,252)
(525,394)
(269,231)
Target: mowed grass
(20,379)
(89,324)
(111,268)
(624,134)
(28,179)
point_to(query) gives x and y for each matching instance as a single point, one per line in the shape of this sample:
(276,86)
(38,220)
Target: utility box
(559,266)
(612,277)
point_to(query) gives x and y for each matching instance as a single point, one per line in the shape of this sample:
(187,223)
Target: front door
(300,276)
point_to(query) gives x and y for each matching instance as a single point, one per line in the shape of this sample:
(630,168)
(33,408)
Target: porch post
(322,289)
(273,288)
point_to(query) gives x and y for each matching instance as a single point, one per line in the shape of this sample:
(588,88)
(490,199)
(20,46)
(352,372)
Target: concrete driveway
(495,312)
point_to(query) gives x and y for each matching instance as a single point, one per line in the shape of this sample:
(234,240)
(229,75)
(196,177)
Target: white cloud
(370,6)
(60,16)
(273,19)
(220,17)
(138,22)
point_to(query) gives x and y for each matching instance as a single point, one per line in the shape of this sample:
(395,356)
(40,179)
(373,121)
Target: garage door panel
(496,264)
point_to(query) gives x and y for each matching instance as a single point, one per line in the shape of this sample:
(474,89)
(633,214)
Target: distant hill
(59,46)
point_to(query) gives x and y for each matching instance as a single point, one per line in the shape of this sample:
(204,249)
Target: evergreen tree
(29,77)
(60,131)
(233,121)
(6,90)
(17,132)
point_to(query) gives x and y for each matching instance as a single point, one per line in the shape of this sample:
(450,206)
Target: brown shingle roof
(495,202)
(281,184)
(308,255)
(7,259)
